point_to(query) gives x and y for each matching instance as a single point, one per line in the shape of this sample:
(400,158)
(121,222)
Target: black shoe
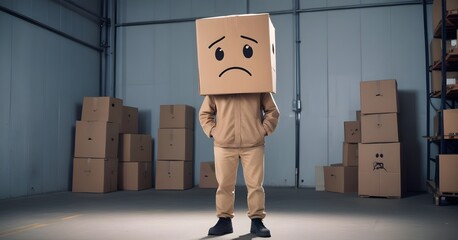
(258,228)
(223,226)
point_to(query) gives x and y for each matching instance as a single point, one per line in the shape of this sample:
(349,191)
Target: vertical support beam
(297,98)
(444,74)
(107,57)
(428,90)
(443,90)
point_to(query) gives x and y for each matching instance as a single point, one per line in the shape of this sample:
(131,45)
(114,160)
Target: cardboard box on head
(236,54)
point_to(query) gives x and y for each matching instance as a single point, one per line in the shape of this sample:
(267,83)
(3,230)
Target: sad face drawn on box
(246,52)
(236,54)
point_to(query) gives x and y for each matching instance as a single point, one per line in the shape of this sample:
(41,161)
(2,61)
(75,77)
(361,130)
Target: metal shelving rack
(448,97)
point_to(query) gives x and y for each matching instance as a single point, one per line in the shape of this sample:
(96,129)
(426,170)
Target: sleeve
(271,113)
(207,114)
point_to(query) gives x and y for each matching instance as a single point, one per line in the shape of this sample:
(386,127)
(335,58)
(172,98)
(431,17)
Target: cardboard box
(352,132)
(135,148)
(350,154)
(95,175)
(358,116)
(96,139)
(236,54)
(207,175)
(129,123)
(450,123)
(174,175)
(435,49)
(103,109)
(319,178)
(341,179)
(175,144)
(379,128)
(436,80)
(379,173)
(135,175)
(437,10)
(379,96)
(448,173)
(176,116)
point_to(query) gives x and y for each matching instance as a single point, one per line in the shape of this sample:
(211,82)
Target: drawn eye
(376,155)
(273,49)
(219,54)
(247,51)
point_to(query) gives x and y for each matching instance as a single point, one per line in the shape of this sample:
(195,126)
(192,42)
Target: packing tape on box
(379,120)
(94,104)
(172,111)
(378,89)
(171,137)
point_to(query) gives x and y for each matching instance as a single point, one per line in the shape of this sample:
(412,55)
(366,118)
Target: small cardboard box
(436,80)
(350,154)
(207,175)
(129,120)
(358,116)
(352,131)
(135,175)
(450,123)
(437,10)
(102,109)
(95,175)
(236,54)
(96,139)
(176,116)
(379,128)
(379,96)
(174,175)
(135,148)
(448,173)
(341,179)
(379,170)
(319,178)
(175,144)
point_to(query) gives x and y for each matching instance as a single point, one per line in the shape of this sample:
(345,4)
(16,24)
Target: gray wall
(156,64)
(43,78)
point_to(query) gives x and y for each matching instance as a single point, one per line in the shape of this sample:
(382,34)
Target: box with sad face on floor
(236,54)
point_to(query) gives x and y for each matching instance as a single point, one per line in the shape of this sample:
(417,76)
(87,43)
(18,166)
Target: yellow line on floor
(34,226)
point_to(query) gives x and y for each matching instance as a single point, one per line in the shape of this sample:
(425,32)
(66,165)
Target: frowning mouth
(232,68)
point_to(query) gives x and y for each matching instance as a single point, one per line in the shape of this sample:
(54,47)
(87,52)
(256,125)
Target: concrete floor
(292,214)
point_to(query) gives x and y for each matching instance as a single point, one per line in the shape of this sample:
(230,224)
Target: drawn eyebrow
(215,42)
(248,38)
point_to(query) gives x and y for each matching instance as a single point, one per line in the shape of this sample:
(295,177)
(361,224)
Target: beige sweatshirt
(239,120)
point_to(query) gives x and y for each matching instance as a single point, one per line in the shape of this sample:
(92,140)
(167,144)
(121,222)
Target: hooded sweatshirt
(239,120)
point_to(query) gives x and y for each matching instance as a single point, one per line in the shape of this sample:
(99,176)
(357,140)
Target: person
(238,124)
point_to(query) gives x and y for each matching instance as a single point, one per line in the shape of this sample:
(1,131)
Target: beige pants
(226,164)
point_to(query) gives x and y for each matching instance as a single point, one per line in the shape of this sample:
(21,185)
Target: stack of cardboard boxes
(135,154)
(448,163)
(343,177)
(379,152)
(95,163)
(175,157)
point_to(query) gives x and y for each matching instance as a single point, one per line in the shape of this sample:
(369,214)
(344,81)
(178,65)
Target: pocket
(262,132)
(213,133)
